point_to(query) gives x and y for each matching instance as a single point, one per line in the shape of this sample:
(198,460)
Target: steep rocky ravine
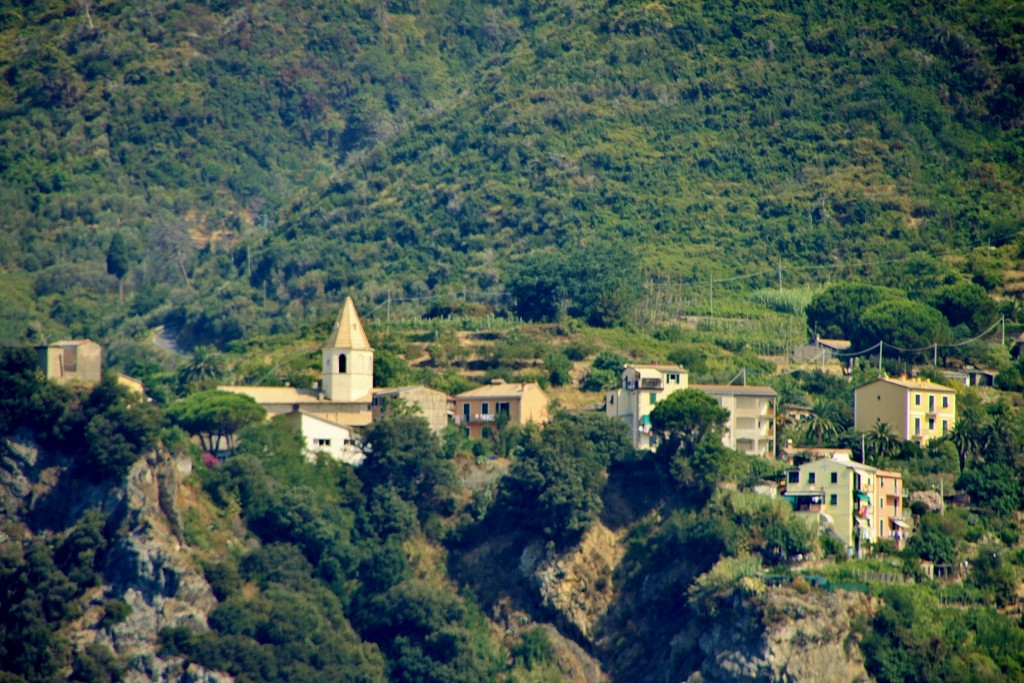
(148,565)
(781,635)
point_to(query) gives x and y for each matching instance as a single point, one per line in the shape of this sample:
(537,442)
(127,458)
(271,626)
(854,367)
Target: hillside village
(474,342)
(838,493)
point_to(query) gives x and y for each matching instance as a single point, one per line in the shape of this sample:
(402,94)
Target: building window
(917,425)
(931,424)
(485,408)
(486,432)
(833,499)
(945,401)
(811,478)
(465,412)
(917,399)
(931,404)
(322,442)
(654,398)
(835,478)
(673,379)
(342,363)
(945,426)
(502,407)
(794,477)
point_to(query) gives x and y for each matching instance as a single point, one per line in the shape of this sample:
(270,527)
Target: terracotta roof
(348,331)
(735,390)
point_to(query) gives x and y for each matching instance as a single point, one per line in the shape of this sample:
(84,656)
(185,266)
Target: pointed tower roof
(348,331)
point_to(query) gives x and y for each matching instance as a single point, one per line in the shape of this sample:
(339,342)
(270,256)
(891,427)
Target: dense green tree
(404,454)
(964,303)
(430,635)
(993,576)
(908,325)
(836,312)
(554,486)
(686,418)
(214,416)
(119,260)
(993,485)
(598,283)
(115,427)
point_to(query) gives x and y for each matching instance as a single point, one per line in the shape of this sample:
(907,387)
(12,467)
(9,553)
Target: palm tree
(964,438)
(884,442)
(819,427)
(206,364)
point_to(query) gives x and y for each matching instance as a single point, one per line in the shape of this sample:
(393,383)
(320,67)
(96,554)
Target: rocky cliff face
(786,636)
(781,635)
(147,564)
(577,584)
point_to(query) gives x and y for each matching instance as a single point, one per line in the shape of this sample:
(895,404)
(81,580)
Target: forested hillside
(262,158)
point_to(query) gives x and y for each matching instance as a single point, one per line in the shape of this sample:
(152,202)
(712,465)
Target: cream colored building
(915,409)
(643,386)
(751,425)
(72,361)
(856,503)
(434,405)
(346,391)
(478,410)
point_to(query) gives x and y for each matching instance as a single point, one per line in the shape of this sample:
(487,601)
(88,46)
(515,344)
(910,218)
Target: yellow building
(478,410)
(915,409)
(643,386)
(856,503)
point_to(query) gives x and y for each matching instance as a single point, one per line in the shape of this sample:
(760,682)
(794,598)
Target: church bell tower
(348,359)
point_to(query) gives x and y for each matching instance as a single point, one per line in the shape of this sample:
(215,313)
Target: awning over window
(902,525)
(863,496)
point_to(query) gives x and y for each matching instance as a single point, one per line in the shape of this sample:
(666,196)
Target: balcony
(651,383)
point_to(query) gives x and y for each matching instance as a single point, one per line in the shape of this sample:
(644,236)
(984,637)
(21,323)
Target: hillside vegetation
(262,159)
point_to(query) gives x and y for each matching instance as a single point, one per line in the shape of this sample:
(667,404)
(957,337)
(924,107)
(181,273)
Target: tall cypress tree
(118,261)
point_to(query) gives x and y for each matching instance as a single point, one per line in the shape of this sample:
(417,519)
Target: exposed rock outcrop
(786,636)
(577,584)
(147,564)
(148,569)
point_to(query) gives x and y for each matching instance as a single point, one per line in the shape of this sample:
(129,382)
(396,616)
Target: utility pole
(935,355)
(880,346)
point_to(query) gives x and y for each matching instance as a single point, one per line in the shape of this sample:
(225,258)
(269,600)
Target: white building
(323,436)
